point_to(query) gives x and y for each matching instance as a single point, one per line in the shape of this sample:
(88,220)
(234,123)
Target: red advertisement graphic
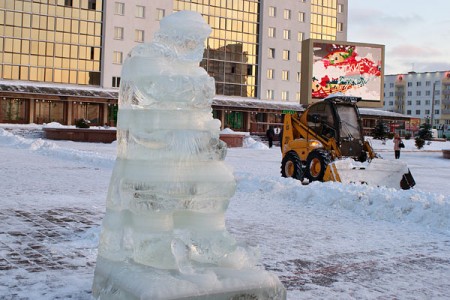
(348,69)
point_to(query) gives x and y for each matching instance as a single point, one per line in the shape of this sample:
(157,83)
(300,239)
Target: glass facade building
(324,23)
(254,51)
(231,54)
(56,41)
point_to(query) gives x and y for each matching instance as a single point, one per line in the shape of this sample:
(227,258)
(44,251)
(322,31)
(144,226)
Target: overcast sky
(416,34)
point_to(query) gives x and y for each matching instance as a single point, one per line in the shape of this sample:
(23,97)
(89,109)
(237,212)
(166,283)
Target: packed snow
(323,240)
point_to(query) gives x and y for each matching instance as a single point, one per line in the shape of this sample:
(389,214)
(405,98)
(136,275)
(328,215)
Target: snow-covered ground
(323,240)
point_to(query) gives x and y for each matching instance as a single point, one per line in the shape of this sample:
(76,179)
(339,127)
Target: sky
(323,240)
(416,34)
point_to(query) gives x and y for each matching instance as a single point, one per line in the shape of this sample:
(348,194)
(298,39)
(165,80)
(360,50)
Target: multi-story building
(254,49)
(254,53)
(425,96)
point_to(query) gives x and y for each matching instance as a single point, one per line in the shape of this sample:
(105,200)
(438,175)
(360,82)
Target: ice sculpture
(163,235)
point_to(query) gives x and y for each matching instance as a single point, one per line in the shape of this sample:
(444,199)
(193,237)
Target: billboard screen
(351,69)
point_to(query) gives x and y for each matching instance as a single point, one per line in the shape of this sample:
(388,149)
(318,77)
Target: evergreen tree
(424,134)
(380,130)
(425,131)
(419,142)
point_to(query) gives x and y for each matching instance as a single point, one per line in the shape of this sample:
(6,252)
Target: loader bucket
(378,172)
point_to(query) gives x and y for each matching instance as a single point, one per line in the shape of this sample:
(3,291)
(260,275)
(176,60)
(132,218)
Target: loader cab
(339,118)
(322,119)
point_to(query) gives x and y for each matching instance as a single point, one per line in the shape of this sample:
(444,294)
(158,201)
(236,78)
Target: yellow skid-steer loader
(326,143)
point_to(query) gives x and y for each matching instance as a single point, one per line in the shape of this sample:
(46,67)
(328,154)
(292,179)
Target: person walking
(270,134)
(397,145)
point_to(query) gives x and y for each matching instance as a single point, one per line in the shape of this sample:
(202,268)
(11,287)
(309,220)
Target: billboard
(353,69)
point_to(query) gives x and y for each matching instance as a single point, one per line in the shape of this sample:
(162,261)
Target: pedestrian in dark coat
(270,134)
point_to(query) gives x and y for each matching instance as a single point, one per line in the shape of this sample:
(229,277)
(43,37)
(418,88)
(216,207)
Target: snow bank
(417,208)
(50,148)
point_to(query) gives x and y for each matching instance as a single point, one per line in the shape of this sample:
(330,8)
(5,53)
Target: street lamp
(432,104)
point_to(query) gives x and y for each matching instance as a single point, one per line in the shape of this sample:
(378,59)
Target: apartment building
(254,53)
(425,96)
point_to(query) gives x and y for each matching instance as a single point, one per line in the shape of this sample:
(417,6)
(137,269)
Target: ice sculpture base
(124,280)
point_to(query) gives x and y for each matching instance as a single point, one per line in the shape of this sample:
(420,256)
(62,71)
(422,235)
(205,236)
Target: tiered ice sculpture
(163,235)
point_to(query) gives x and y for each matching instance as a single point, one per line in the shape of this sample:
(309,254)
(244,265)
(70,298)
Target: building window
(119,8)
(287,14)
(418,93)
(391,85)
(410,93)
(391,94)
(340,26)
(140,11)
(270,73)
(270,94)
(297,96)
(160,13)
(115,81)
(391,103)
(300,36)
(299,56)
(298,76)
(340,8)
(409,83)
(427,93)
(417,102)
(427,111)
(417,112)
(285,95)
(286,54)
(92,4)
(271,53)
(68,3)
(285,75)
(118,33)
(271,32)
(427,102)
(408,112)
(409,102)
(117,57)
(428,83)
(272,11)
(139,36)
(436,111)
(286,34)
(301,16)
(418,83)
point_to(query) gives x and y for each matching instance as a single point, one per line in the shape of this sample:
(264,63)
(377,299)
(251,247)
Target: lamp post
(432,105)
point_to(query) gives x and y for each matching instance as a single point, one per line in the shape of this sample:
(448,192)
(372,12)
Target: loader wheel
(316,164)
(363,156)
(291,166)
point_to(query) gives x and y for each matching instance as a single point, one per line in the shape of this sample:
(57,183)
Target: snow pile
(430,210)
(251,143)
(414,207)
(50,148)
(56,125)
